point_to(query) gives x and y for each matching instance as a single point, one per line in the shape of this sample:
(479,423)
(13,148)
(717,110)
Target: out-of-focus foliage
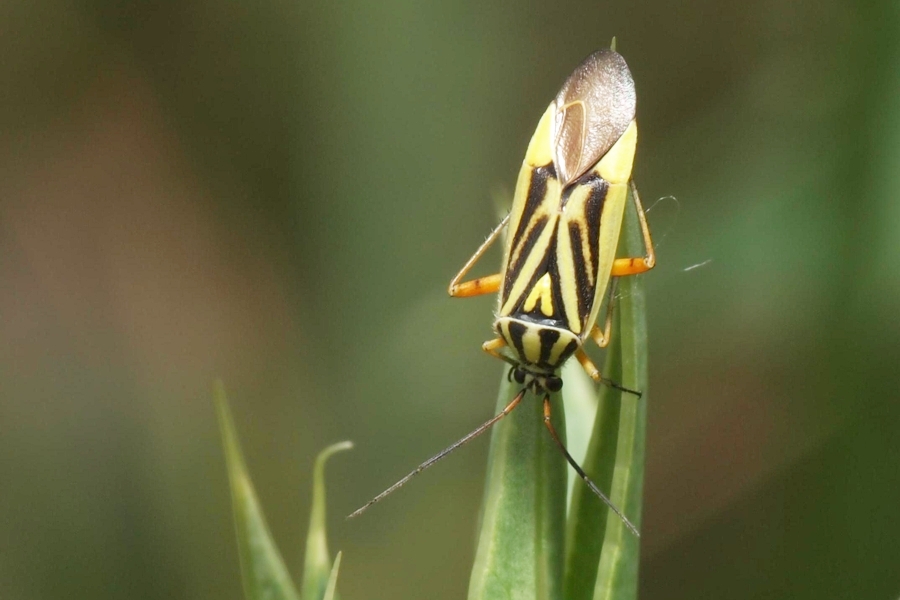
(263,573)
(280,192)
(319,570)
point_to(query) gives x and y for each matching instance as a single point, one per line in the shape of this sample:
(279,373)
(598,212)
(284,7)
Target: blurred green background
(278,193)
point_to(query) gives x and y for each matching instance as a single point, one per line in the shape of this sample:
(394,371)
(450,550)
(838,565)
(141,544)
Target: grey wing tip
(603,90)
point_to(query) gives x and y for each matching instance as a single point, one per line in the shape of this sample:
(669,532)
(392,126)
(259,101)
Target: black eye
(519,375)
(554,384)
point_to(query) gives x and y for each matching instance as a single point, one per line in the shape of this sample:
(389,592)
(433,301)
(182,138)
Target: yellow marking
(615,166)
(537,155)
(531,343)
(543,292)
(540,151)
(567,282)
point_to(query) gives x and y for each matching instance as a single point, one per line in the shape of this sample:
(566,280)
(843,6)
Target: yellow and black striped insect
(564,229)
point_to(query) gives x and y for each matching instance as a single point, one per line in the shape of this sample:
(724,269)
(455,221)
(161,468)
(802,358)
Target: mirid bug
(564,228)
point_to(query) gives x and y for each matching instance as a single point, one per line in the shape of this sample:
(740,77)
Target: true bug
(564,228)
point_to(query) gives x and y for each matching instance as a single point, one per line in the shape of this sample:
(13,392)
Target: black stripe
(585,291)
(593,208)
(549,337)
(547,265)
(512,270)
(537,189)
(559,309)
(516,332)
(571,347)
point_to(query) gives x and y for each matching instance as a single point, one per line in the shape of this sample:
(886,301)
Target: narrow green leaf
(332,579)
(617,575)
(602,555)
(520,546)
(317,564)
(588,515)
(581,400)
(263,571)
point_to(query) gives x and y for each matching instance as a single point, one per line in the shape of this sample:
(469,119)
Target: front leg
(493,347)
(482,285)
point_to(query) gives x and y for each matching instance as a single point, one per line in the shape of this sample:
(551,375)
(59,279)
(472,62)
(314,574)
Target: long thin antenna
(478,431)
(581,472)
(616,386)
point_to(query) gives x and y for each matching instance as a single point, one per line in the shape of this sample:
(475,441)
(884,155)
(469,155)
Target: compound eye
(554,384)
(519,375)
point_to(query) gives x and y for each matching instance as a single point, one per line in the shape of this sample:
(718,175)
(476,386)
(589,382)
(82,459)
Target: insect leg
(493,347)
(581,472)
(634,266)
(602,337)
(591,369)
(588,365)
(481,285)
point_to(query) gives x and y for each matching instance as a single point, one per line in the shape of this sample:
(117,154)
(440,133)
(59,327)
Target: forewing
(581,259)
(530,238)
(592,111)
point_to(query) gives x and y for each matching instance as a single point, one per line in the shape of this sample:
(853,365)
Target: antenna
(478,431)
(484,427)
(581,472)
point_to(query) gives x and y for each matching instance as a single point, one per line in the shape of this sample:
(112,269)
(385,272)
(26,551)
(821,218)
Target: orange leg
(594,373)
(477,287)
(481,285)
(602,337)
(493,347)
(589,367)
(634,266)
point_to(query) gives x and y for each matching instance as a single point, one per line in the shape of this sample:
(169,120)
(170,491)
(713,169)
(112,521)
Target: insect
(560,254)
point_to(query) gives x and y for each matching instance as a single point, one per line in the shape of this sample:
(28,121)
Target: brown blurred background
(277,194)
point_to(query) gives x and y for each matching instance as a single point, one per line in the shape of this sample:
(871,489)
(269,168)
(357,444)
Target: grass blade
(617,574)
(263,572)
(520,546)
(586,527)
(331,586)
(608,570)
(317,564)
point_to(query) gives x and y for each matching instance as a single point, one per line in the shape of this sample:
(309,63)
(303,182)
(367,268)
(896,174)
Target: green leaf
(581,400)
(588,514)
(519,555)
(332,579)
(263,571)
(608,570)
(617,575)
(317,564)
